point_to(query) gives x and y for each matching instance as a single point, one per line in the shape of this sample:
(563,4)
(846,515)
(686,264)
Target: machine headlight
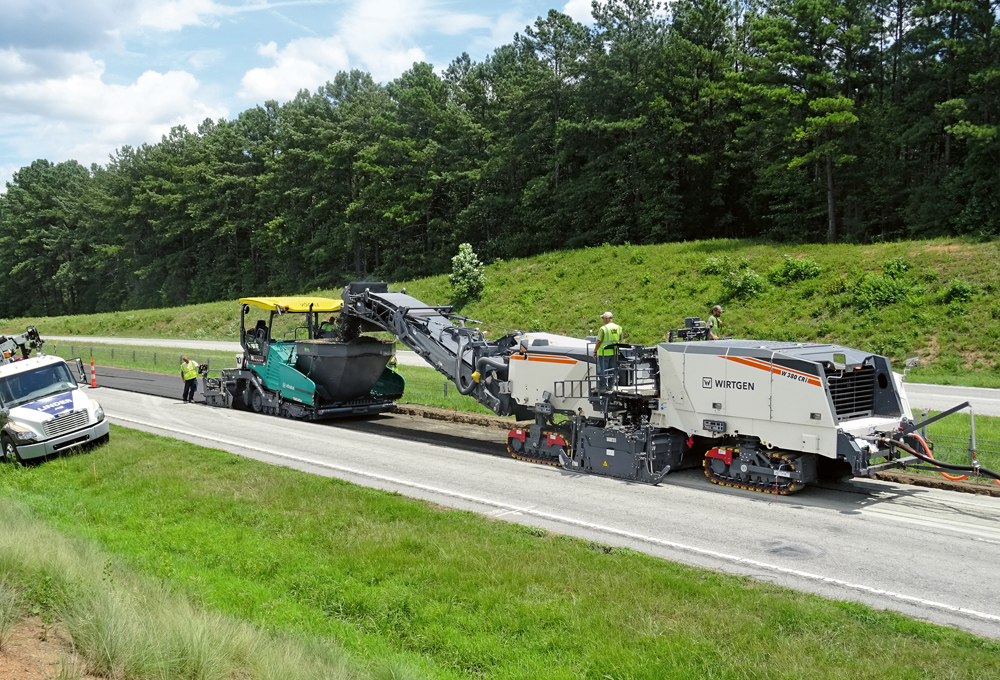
(25,435)
(98,412)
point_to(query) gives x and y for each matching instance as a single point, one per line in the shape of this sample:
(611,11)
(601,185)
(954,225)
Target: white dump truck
(43,410)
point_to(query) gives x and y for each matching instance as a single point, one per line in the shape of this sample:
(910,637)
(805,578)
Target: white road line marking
(734,559)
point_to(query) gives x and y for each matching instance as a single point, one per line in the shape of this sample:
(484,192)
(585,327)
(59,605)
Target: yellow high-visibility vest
(190,370)
(609,336)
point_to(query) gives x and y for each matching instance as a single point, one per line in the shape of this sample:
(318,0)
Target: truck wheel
(9,449)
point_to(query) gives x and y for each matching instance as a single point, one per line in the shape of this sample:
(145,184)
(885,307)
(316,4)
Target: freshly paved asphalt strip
(928,553)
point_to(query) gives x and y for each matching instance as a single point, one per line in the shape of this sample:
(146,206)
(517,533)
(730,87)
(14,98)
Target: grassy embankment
(237,566)
(938,298)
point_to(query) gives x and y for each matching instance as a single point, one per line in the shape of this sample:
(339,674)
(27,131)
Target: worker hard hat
(607,315)
(717,308)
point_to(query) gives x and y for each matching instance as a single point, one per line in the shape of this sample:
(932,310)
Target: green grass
(938,298)
(401,584)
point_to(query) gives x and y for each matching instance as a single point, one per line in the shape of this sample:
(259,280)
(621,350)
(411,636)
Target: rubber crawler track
(760,488)
(538,461)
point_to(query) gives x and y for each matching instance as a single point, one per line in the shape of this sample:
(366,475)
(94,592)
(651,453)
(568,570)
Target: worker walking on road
(715,323)
(606,351)
(189,371)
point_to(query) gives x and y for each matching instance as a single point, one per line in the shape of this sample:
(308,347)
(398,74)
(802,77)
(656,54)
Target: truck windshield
(35,384)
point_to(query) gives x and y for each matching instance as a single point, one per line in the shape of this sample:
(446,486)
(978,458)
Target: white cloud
(382,37)
(176,14)
(579,10)
(84,118)
(304,63)
(207,57)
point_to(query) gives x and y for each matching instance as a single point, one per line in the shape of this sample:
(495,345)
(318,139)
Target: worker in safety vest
(715,323)
(189,371)
(606,351)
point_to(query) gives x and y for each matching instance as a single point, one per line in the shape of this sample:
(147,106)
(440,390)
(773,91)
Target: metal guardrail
(960,449)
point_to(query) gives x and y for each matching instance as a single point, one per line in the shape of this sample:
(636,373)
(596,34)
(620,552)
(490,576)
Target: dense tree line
(808,120)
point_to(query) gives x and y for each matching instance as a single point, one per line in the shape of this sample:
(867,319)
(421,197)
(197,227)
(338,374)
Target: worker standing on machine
(189,372)
(606,351)
(715,323)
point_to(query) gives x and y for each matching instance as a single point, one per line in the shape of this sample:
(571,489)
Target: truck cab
(44,411)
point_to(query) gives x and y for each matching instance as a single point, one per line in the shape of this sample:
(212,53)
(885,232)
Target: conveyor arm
(477,366)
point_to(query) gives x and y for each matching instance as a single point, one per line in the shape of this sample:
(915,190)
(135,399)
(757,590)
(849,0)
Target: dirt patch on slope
(38,651)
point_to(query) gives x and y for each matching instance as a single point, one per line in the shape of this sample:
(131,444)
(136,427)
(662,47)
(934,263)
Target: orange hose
(954,478)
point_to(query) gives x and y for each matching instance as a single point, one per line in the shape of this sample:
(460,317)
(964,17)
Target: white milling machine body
(767,416)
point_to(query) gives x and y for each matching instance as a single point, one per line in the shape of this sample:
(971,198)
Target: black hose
(498,365)
(985,472)
(458,369)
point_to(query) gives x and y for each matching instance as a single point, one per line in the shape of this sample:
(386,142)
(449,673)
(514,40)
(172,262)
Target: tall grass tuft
(11,611)
(125,626)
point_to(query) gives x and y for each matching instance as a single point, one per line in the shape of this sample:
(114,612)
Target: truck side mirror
(912,362)
(79,369)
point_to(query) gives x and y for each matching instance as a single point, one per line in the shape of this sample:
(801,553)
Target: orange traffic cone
(93,373)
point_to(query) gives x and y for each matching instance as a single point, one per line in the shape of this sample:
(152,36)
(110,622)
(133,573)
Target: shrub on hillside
(468,275)
(745,284)
(895,268)
(791,270)
(873,292)
(959,290)
(724,265)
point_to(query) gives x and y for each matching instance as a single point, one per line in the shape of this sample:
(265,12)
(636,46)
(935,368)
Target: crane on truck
(757,415)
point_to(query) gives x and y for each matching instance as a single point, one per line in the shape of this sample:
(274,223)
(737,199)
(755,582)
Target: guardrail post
(133,356)
(154,358)
(446,388)
(112,353)
(972,437)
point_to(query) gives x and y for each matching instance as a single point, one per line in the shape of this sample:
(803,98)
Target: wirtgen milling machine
(766,416)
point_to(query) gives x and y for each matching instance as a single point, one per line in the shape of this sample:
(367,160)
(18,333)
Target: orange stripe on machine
(548,359)
(777,370)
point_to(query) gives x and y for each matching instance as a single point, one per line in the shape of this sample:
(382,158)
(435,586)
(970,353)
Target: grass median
(401,588)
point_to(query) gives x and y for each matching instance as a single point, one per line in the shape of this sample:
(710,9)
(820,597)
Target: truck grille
(853,393)
(67,423)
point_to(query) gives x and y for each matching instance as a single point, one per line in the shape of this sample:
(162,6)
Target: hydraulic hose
(499,366)
(927,450)
(458,369)
(947,466)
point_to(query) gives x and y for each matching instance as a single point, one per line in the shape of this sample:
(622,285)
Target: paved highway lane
(984,401)
(927,553)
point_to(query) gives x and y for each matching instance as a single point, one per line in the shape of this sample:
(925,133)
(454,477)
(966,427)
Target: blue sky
(80,78)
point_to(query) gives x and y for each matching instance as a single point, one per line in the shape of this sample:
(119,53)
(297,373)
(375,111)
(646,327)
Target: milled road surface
(928,553)
(984,401)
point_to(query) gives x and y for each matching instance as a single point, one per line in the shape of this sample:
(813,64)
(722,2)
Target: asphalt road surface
(984,401)
(927,553)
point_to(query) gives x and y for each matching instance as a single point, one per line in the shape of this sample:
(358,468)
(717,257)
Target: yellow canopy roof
(295,304)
